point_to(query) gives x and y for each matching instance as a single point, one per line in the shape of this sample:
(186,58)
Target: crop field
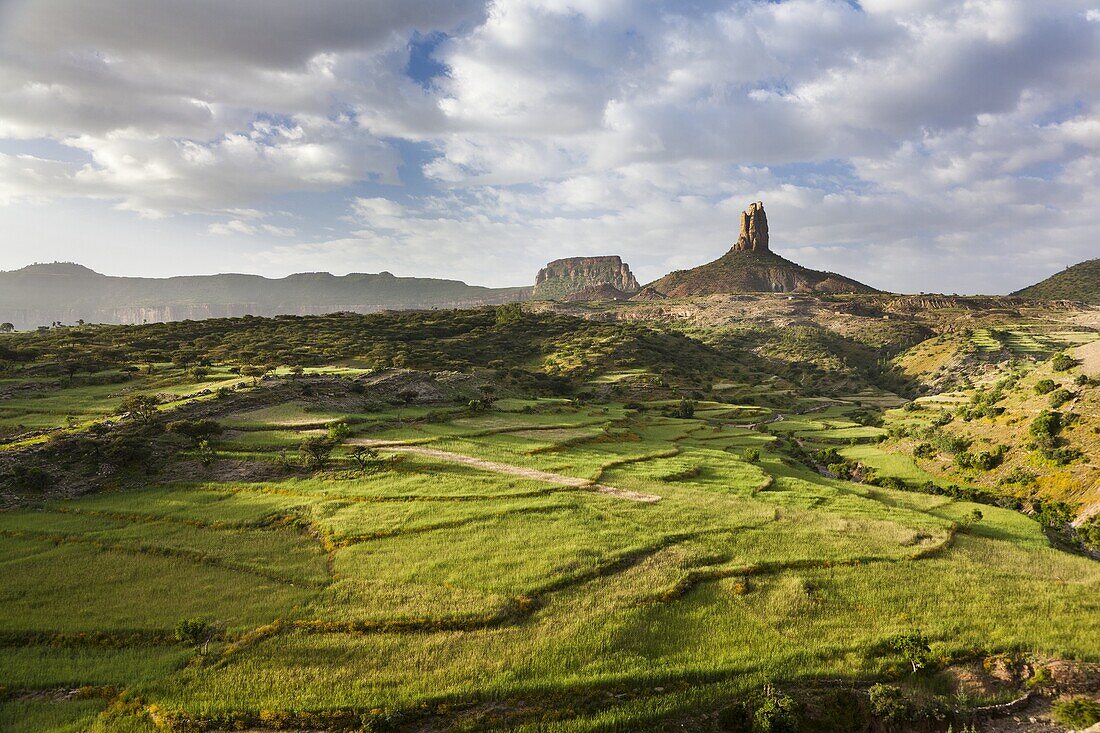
(434,585)
(505,560)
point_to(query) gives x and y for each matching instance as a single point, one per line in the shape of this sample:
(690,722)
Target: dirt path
(510,470)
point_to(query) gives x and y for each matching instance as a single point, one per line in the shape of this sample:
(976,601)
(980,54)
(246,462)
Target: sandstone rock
(754,230)
(564,277)
(603,291)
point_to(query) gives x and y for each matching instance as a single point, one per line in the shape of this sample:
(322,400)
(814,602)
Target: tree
(7,327)
(139,407)
(338,431)
(196,632)
(256,372)
(197,431)
(315,452)
(509,313)
(913,647)
(367,459)
(685,410)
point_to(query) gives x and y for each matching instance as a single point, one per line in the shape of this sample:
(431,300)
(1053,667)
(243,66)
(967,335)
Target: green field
(541,563)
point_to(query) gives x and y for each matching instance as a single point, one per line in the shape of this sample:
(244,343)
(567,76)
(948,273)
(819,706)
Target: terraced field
(436,592)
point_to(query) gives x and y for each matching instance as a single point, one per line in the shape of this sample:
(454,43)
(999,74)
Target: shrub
(1079,712)
(1060,397)
(685,410)
(924,450)
(913,647)
(1046,424)
(752,455)
(775,713)
(196,431)
(888,703)
(338,431)
(315,452)
(1045,386)
(1062,362)
(27,478)
(195,632)
(367,459)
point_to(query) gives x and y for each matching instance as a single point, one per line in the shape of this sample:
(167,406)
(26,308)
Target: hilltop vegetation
(499,519)
(1077,282)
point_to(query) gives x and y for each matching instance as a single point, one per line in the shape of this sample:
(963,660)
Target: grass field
(629,557)
(433,586)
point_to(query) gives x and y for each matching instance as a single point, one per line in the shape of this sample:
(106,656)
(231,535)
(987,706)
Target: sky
(916,145)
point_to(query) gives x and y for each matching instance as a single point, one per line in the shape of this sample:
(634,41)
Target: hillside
(378,521)
(1079,282)
(41,294)
(750,266)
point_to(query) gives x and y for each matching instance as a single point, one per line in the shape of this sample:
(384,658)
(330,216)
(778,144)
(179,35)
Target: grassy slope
(742,573)
(1078,282)
(496,601)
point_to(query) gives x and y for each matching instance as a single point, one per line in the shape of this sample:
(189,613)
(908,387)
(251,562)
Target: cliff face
(561,278)
(41,294)
(754,230)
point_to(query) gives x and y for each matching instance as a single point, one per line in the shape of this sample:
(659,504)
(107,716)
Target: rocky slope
(751,266)
(561,278)
(41,294)
(1079,282)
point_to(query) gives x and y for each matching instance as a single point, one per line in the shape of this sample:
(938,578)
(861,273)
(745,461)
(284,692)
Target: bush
(140,407)
(685,410)
(196,431)
(1060,397)
(913,647)
(1062,362)
(888,703)
(924,450)
(367,459)
(195,632)
(775,713)
(338,431)
(1045,386)
(27,478)
(1079,712)
(752,455)
(315,452)
(1046,424)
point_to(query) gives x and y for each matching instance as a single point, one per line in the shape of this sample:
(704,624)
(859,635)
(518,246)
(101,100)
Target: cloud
(915,144)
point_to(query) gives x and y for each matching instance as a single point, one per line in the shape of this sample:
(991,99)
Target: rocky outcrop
(604,291)
(562,278)
(754,230)
(751,267)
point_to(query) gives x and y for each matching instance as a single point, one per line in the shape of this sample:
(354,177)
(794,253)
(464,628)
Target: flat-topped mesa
(754,230)
(562,278)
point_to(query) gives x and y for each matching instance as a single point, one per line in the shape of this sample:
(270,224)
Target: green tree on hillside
(315,452)
(255,372)
(914,648)
(140,407)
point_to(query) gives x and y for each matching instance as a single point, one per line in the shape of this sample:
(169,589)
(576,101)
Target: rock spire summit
(754,229)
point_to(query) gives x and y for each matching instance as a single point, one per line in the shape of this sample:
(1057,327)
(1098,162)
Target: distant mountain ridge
(1077,282)
(751,267)
(40,294)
